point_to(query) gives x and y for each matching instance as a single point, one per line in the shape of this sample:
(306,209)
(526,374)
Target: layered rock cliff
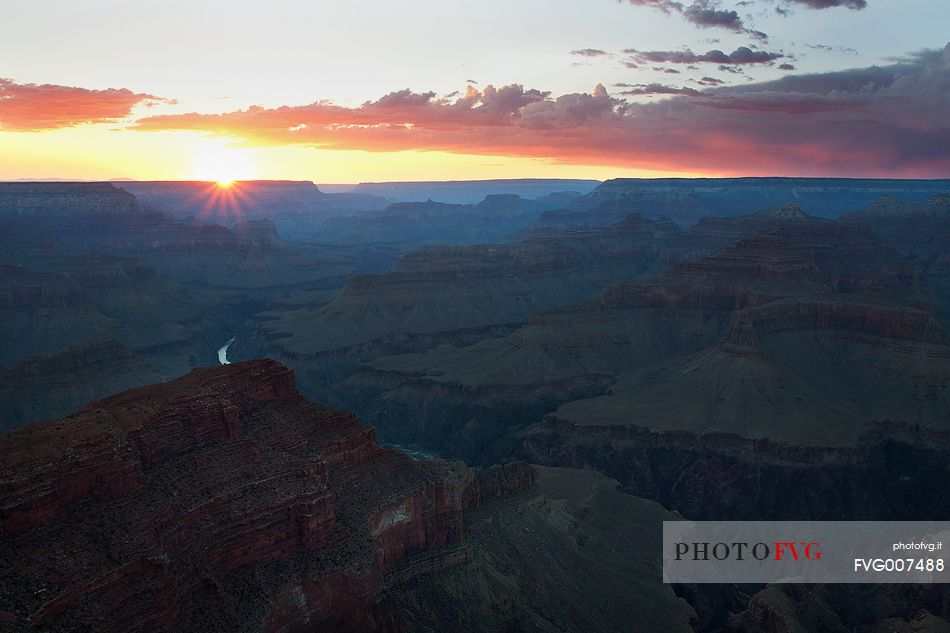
(225,501)
(157,507)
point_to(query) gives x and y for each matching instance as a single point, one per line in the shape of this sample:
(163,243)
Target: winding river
(223,352)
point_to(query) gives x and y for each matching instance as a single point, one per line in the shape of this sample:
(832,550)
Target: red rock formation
(156,507)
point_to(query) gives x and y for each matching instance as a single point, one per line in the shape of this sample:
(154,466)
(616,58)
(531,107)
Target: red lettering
(781,546)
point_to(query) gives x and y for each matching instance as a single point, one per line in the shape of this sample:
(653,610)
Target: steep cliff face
(225,501)
(176,495)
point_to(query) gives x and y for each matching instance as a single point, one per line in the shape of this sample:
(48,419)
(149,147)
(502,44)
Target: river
(223,352)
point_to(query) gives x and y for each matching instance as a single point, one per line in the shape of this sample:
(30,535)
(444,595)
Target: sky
(376,90)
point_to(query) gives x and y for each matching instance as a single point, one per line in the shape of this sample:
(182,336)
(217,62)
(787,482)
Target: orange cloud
(35,107)
(879,121)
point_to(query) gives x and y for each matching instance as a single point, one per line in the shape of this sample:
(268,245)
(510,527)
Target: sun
(224,165)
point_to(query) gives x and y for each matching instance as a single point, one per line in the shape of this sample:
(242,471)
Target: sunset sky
(423,90)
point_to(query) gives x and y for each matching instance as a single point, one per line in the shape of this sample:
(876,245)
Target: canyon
(599,362)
